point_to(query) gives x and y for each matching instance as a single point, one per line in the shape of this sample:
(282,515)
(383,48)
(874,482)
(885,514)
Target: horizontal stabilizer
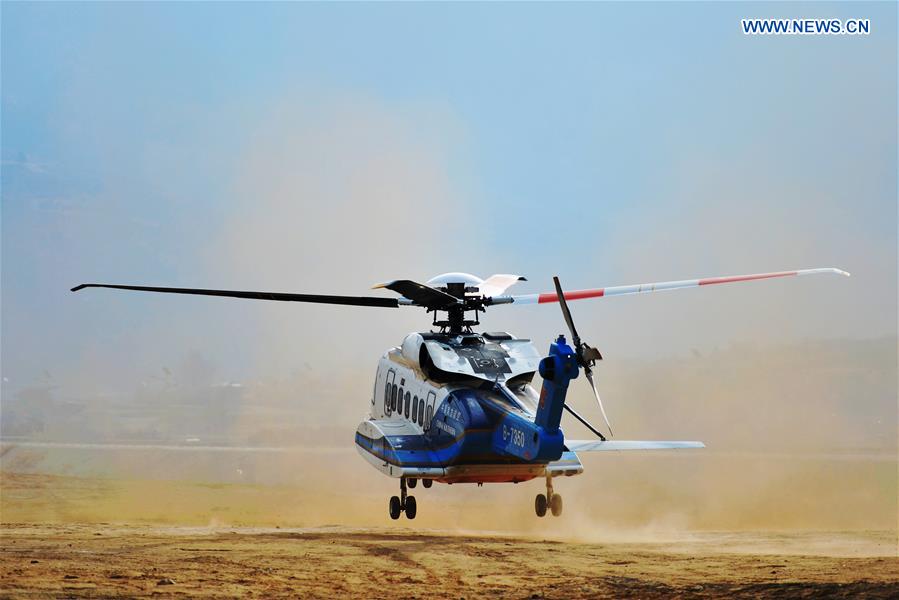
(615,445)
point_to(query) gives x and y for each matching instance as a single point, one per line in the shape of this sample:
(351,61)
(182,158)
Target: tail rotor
(586,355)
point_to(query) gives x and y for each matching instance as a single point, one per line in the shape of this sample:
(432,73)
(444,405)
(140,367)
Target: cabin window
(432,400)
(414,409)
(389,391)
(399,408)
(421,413)
(393,398)
(408,403)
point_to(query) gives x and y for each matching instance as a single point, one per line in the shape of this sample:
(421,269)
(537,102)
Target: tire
(555,505)
(540,505)
(411,507)
(412,483)
(427,483)
(395,508)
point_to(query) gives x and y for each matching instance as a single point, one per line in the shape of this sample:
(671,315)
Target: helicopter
(453,405)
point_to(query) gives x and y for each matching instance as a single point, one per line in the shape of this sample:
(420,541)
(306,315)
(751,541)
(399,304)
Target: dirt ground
(65,536)
(136,561)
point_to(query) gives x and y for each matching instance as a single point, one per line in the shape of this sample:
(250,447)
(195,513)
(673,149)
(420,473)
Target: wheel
(395,508)
(555,505)
(427,482)
(540,505)
(411,507)
(412,483)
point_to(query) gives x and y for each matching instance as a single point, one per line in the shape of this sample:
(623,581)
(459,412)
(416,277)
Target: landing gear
(539,505)
(554,501)
(395,508)
(403,503)
(413,483)
(555,505)
(427,483)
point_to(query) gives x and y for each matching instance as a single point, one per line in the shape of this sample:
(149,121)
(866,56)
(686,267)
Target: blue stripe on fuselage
(413,451)
(440,448)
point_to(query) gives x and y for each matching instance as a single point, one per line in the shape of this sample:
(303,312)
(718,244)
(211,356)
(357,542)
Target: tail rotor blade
(589,373)
(566,313)
(586,355)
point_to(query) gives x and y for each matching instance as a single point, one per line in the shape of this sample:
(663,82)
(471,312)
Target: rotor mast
(456,323)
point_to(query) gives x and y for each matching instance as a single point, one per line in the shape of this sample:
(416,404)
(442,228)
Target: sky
(323,148)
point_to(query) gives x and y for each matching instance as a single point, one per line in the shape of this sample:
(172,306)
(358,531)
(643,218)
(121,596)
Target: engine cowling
(411,348)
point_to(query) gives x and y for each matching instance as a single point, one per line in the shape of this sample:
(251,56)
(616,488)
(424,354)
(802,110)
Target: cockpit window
(504,398)
(527,396)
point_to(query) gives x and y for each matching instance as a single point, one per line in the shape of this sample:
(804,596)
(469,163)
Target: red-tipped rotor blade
(661,286)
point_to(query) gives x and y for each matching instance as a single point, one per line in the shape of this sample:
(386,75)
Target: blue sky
(611,143)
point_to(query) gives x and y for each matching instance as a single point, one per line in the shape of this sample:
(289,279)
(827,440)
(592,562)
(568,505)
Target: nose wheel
(403,503)
(551,500)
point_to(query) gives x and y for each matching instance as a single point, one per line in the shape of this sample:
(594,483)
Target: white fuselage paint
(393,369)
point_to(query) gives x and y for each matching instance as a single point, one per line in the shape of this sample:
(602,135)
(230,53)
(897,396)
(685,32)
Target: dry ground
(92,537)
(118,560)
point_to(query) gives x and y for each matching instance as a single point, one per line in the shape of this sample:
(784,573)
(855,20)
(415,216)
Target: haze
(324,148)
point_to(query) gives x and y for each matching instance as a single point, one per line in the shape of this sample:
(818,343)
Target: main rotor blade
(643,288)
(421,294)
(589,373)
(497,284)
(560,298)
(584,421)
(316,298)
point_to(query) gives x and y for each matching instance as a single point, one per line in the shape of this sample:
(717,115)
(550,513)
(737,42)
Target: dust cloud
(770,463)
(332,196)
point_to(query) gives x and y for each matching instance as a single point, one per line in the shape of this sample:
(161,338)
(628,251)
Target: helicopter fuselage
(460,409)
